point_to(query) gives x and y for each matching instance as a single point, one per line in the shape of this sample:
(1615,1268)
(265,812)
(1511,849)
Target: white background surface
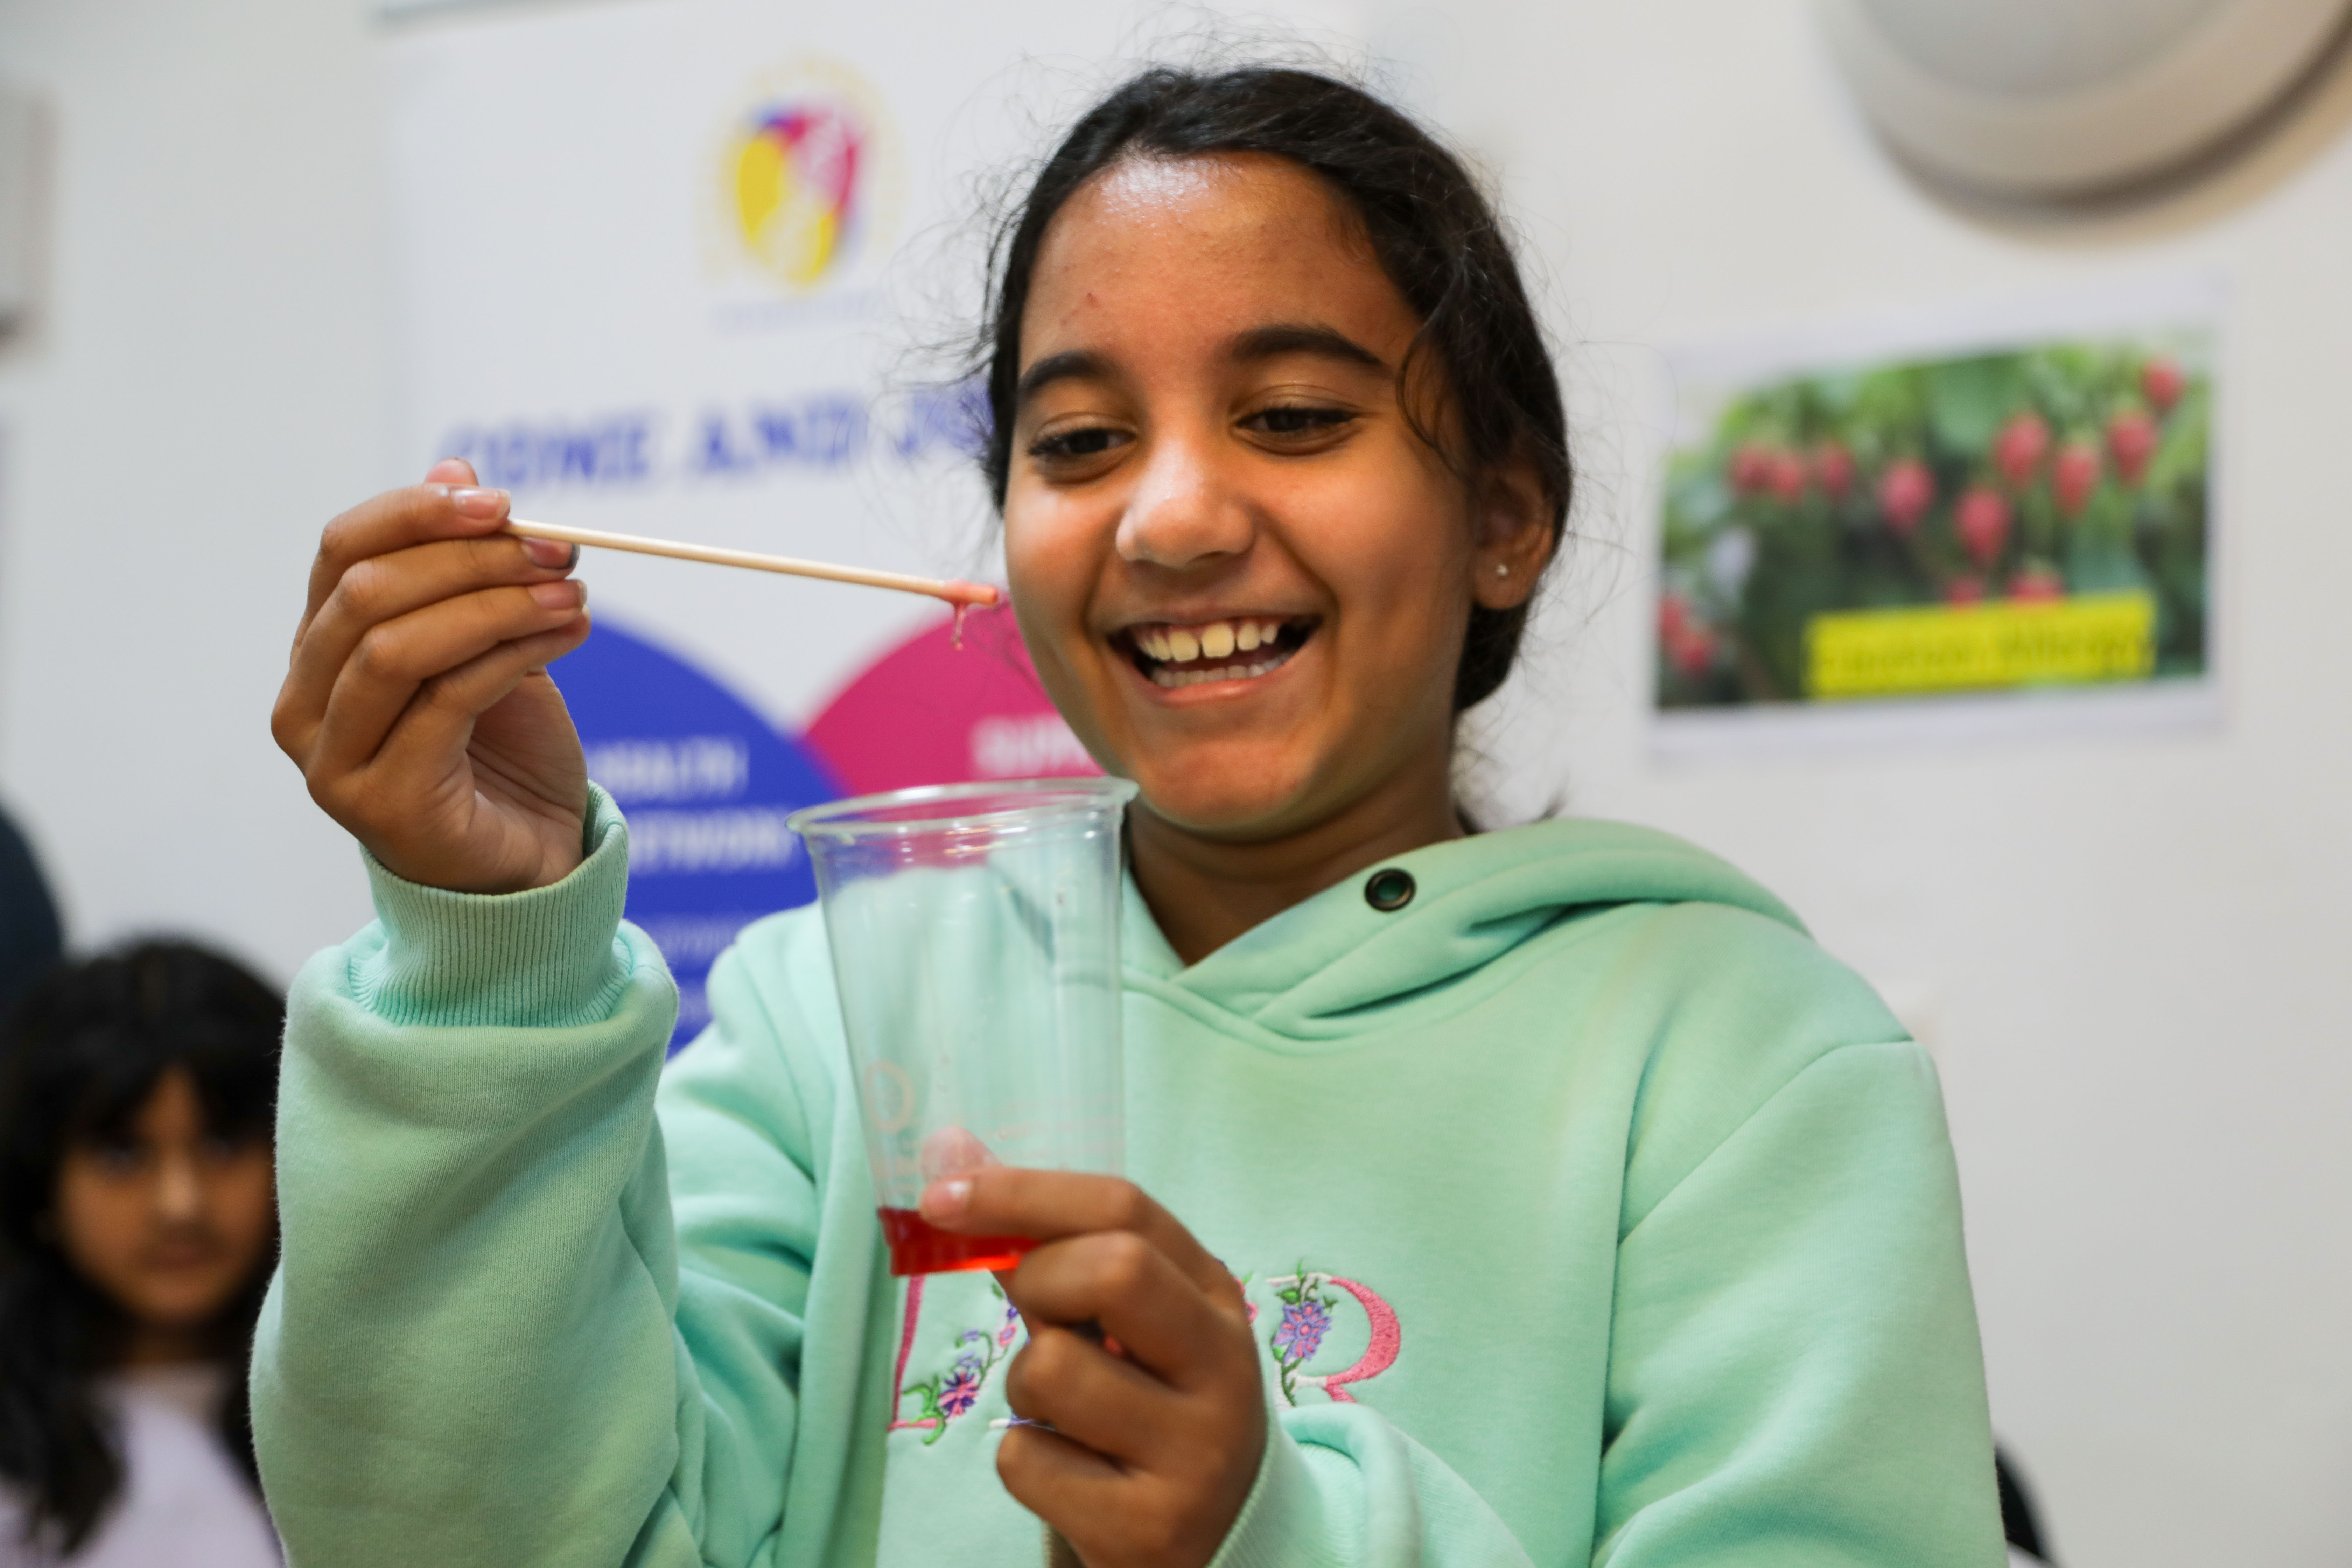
(2126,950)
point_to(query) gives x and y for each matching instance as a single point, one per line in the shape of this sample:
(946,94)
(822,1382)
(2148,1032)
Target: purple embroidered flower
(1302,1329)
(960,1390)
(1011,1326)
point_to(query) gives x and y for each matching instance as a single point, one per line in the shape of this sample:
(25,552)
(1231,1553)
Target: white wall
(205,389)
(2129,946)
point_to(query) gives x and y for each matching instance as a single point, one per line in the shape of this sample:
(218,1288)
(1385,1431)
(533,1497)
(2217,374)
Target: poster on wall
(1961,526)
(671,267)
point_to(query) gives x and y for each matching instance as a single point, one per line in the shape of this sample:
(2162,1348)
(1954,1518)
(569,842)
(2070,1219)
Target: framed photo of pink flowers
(2002,517)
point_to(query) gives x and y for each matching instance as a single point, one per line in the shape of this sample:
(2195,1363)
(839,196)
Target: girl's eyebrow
(1070,365)
(1302,338)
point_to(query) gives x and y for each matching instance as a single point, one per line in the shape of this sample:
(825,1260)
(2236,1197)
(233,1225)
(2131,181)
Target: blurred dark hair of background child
(30,940)
(138,1227)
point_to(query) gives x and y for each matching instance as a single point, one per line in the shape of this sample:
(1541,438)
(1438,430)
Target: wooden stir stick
(955,590)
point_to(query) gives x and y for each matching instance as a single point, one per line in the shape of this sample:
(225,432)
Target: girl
(1541,1196)
(136,1223)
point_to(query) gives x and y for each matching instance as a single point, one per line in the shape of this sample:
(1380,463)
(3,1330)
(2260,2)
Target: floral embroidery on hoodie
(1307,1300)
(948,1394)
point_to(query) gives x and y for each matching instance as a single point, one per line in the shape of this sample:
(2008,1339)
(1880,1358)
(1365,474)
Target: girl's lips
(180,1258)
(1217,678)
(1225,653)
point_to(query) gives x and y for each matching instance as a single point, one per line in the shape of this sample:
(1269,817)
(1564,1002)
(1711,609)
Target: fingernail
(564,595)
(551,553)
(946,1200)
(479,504)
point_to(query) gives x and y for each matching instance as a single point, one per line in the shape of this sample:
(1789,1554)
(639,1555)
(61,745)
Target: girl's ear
(1513,537)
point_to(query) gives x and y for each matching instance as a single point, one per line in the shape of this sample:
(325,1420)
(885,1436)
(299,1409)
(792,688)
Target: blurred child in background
(138,1226)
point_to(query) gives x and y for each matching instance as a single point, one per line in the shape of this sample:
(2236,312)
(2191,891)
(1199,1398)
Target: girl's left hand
(1140,1359)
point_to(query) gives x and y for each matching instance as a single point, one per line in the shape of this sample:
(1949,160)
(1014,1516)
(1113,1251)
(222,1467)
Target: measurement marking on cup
(883,1080)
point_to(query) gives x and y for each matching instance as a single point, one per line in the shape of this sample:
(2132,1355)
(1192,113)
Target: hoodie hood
(1336,957)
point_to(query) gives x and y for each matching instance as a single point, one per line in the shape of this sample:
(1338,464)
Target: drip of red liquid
(964,596)
(918,1246)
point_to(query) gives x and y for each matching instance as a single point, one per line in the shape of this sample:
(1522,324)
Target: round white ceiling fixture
(2058,97)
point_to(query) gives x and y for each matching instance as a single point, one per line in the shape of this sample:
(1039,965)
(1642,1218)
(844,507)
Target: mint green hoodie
(1587,1211)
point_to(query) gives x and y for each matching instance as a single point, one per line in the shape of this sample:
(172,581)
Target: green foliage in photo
(2067,468)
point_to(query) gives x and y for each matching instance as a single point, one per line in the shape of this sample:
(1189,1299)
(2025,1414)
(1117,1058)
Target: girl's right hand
(418,704)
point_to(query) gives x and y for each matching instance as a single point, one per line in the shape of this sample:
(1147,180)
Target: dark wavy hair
(1433,230)
(79,1056)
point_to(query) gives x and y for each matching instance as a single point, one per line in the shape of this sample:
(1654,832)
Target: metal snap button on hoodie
(1389,889)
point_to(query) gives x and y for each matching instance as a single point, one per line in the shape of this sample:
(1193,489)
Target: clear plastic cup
(975,947)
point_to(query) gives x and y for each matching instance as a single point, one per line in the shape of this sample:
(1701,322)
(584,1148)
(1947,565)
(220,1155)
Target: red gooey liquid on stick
(918,1247)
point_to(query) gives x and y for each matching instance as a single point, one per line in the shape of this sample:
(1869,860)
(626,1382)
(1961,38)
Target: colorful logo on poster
(796,187)
(805,175)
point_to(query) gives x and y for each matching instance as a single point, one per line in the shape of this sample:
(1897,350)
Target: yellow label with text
(1960,647)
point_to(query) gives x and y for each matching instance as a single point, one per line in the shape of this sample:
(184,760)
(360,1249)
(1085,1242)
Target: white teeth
(1212,639)
(1172,679)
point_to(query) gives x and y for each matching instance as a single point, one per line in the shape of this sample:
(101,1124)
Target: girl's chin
(1226,806)
(1233,775)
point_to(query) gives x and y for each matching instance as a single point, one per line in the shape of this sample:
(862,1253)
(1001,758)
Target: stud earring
(1501,569)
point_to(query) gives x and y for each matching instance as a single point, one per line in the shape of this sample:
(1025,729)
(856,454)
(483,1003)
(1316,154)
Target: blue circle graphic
(705,786)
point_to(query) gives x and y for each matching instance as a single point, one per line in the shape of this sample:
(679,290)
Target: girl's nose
(1183,512)
(179,1190)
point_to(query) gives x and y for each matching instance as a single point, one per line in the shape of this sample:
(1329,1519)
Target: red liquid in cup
(918,1246)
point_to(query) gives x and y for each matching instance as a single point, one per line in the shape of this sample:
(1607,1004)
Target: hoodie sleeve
(1340,1486)
(480,1346)
(1794,1372)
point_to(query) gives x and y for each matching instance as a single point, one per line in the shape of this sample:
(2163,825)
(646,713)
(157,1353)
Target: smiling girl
(1539,1196)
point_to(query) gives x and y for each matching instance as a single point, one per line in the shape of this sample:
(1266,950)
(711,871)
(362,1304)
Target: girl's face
(1243,578)
(171,1221)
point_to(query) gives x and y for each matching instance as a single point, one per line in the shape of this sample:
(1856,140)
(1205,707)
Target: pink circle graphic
(929,713)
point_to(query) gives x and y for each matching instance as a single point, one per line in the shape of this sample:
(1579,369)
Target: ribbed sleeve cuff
(551,956)
(1281,1522)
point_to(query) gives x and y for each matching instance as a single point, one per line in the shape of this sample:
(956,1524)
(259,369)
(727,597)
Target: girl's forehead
(1213,200)
(1190,244)
(1179,191)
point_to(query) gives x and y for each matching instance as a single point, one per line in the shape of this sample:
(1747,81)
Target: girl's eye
(117,1156)
(1293,419)
(218,1150)
(1074,445)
